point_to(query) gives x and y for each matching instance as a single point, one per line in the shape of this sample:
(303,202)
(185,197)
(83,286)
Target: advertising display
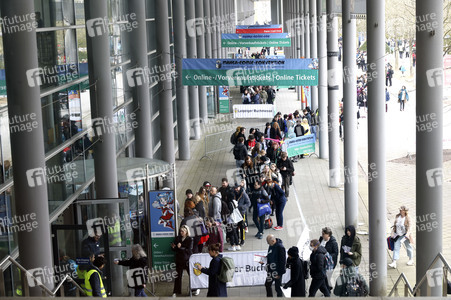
(255,40)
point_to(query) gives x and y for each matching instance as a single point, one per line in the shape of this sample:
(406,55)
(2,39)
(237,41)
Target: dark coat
(240,151)
(216,288)
(348,274)
(200,208)
(258,194)
(297,280)
(277,194)
(183,253)
(90,246)
(94,280)
(287,164)
(243,201)
(134,263)
(317,261)
(352,241)
(332,248)
(276,259)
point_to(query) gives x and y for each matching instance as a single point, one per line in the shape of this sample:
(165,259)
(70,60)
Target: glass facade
(66,105)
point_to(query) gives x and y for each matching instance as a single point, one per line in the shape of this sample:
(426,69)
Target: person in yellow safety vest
(82,270)
(115,232)
(93,279)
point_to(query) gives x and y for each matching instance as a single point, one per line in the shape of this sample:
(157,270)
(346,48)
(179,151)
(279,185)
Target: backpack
(328,262)
(355,288)
(268,222)
(306,268)
(225,211)
(227,270)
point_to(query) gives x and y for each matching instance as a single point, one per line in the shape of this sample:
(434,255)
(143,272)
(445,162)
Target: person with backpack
(275,265)
(350,283)
(318,269)
(351,247)
(234,136)
(329,242)
(216,288)
(297,277)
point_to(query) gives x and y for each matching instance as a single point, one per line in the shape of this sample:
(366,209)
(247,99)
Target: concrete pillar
(27,147)
(275,12)
(183,123)
(218,27)
(137,47)
(193,91)
(208,29)
(313,47)
(98,44)
(322,83)
(214,29)
(165,86)
(332,88)
(200,42)
(224,25)
(376,147)
(350,114)
(429,112)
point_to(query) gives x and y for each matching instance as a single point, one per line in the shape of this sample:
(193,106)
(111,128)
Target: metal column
(313,47)
(214,29)
(274,11)
(208,29)
(98,44)
(322,83)
(218,28)
(193,91)
(332,87)
(376,146)
(350,114)
(429,114)
(137,45)
(200,41)
(183,123)
(165,86)
(224,25)
(27,147)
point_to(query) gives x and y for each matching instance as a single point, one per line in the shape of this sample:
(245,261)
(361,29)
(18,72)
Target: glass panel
(134,192)
(150,9)
(80,12)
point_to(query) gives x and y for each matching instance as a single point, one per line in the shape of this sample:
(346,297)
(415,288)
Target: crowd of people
(258,94)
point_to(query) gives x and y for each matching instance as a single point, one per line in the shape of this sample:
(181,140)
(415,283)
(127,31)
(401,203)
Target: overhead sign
(162,226)
(259,29)
(255,40)
(248,111)
(301,145)
(248,270)
(237,72)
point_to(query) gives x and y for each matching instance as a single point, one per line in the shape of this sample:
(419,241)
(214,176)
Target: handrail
(417,287)
(39,283)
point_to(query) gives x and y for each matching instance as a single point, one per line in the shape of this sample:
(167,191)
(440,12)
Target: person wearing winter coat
(138,260)
(216,288)
(243,205)
(240,152)
(214,208)
(403,97)
(287,170)
(351,246)
(317,261)
(276,265)
(183,248)
(258,196)
(349,274)
(329,242)
(297,279)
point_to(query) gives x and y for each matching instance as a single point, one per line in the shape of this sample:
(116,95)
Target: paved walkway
(311,203)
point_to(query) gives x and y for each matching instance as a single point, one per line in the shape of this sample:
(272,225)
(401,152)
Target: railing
(26,289)
(411,292)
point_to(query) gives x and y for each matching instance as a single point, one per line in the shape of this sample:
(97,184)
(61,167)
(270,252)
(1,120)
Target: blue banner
(269,64)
